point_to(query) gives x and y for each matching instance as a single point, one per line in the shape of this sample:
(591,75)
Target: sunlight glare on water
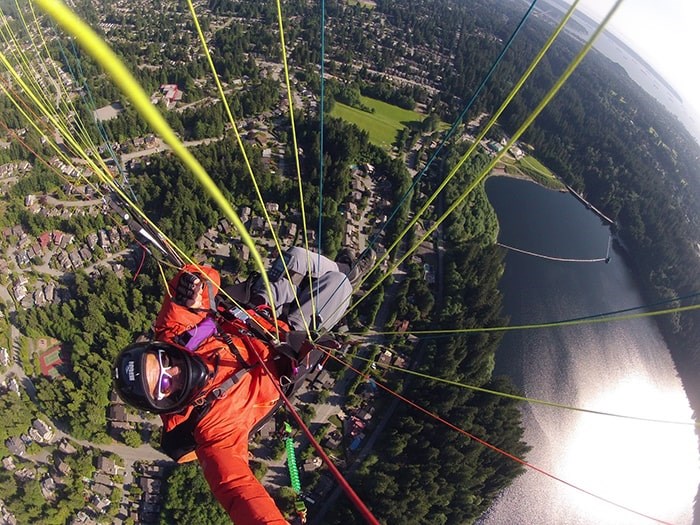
(650,467)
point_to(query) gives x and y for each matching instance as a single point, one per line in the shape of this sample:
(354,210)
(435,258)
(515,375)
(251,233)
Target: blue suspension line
(486,78)
(90,103)
(321,120)
(457,121)
(610,314)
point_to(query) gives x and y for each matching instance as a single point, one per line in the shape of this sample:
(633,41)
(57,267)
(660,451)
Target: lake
(619,367)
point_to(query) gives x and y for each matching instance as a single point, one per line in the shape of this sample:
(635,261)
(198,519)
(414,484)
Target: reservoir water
(620,367)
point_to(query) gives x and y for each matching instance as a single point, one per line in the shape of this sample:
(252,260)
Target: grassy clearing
(534,169)
(382,125)
(370,4)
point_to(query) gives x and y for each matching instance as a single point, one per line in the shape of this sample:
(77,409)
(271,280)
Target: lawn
(539,172)
(382,125)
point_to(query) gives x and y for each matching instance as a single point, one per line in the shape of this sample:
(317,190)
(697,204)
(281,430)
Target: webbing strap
(220,391)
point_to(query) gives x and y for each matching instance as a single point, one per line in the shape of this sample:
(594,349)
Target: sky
(666,33)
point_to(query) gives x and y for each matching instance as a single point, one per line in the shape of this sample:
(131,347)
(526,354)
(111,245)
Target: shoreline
(501,172)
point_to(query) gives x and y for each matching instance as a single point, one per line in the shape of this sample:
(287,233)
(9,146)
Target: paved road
(53,201)
(162,146)
(385,416)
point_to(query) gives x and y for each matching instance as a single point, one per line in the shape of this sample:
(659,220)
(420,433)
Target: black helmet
(131,381)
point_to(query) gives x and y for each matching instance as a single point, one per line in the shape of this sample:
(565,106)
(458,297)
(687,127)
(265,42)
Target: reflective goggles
(165,380)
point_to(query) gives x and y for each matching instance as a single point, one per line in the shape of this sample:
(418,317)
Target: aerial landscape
(515,209)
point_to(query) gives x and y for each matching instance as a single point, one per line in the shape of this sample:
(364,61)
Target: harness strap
(203,403)
(234,350)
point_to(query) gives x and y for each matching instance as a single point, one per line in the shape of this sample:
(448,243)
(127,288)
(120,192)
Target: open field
(383,124)
(539,172)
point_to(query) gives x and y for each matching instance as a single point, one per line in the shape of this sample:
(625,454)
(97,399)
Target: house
(149,485)
(43,429)
(225,226)
(16,446)
(333,440)
(258,226)
(400,362)
(82,518)
(48,488)
(85,253)
(103,479)
(50,292)
(384,358)
(243,252)
(25,474)
(14,387)
(107,465)
(171,94)
(291,230)
(66,239)
(63,468)
(75,259)
(66,447)
(324,380)
(117,413)
(401,326)
(4,356)
(104,239)
(44,240)
(245,212)
(101,504)
(357,185)
(113,236)
(8,463)
(91,240)
(102,490)
(312,464)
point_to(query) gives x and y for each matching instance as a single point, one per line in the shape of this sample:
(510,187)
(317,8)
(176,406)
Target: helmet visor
(166,376)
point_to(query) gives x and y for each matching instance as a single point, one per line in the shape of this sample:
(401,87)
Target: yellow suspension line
(71,23)
(105,177)
(516,88)
(543,103)
(492,121)
(58,125)
(241,146)
(515,397)
(296,152)
(87,142)
(34,122)
(16,50)
(534,326)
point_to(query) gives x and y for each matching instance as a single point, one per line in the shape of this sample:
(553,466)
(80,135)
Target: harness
(179,442)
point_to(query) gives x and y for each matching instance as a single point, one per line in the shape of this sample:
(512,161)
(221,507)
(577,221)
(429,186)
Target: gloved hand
(189,290)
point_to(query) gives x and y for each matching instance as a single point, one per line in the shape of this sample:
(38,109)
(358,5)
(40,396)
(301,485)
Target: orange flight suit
(221,436)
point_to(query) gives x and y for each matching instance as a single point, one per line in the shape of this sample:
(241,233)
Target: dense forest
(104,316)
(420,472)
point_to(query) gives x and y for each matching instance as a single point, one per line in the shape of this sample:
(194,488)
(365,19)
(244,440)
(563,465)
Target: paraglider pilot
(203,372)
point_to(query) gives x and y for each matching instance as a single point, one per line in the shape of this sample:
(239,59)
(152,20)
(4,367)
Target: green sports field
(383,124)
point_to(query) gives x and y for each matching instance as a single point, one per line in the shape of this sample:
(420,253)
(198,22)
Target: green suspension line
(299,505)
